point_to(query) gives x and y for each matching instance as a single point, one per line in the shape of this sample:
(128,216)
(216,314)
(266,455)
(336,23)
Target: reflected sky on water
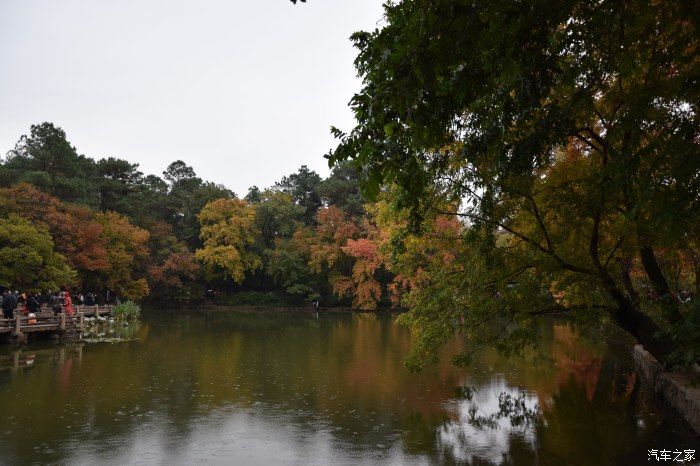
(260,389)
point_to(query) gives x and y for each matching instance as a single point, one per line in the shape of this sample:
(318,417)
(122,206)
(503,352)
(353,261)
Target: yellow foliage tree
(27,257)
(228,232)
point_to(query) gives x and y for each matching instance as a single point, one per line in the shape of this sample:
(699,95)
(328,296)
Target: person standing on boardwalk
(47,299)
(9,303)
(68,304)
(33,304)
(56,304)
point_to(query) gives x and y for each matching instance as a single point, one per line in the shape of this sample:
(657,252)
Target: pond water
(280,388)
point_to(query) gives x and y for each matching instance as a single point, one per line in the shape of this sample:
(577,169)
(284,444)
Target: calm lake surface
(276,388)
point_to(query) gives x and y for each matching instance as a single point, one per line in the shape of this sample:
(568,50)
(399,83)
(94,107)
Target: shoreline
(676,389)
(270,309)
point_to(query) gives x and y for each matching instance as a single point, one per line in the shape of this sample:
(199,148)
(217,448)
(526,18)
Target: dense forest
(67,220)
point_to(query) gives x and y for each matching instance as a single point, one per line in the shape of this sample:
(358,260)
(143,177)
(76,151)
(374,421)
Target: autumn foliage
(77,234)
(227,230)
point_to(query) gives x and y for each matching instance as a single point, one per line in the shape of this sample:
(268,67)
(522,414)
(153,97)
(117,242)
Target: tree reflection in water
(597,414)
(486,420)
(268,388)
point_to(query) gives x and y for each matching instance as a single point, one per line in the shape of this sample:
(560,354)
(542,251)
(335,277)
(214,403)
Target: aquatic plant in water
(128,310)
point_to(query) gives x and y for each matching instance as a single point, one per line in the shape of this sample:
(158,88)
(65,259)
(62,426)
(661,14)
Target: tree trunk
(629,317)
(660,284)
(653,271)
(696,269)
(641,327)
(626,266)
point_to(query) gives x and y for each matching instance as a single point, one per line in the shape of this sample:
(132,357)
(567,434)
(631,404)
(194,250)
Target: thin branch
(603,143)
(540,222)
(514,274)
(566,309)
(593,244)
(564,264)
(587,141)
(614,249)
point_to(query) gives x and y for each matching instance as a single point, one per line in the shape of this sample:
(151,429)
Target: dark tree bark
(653,271)
(660,284)
(696,269)
(627,315)
(626,266)
(640,326)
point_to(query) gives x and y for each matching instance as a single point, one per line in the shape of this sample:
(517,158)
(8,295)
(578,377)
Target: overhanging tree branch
(563,264)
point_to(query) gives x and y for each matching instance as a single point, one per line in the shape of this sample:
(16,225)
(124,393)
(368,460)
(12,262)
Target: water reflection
(487,420)
(268,388)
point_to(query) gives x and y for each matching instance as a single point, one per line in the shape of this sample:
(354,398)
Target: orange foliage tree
(126,252)
(75,233)
(351,255)
(362,284)
(173,271)
(175,279)
(332,233)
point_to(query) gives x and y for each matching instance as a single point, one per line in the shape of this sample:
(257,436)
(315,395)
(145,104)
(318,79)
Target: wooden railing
(45,321)
(93,311)
(20,324)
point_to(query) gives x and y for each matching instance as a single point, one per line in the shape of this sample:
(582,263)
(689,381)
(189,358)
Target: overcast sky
(243,90)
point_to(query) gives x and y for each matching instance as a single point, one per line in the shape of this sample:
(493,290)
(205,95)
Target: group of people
(31,303)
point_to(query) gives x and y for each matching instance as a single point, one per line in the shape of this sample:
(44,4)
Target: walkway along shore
(676,389)
(46,324)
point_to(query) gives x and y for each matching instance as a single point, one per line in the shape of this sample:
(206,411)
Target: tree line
(67,220)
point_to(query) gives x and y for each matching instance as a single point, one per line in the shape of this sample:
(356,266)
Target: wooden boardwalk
(46,323)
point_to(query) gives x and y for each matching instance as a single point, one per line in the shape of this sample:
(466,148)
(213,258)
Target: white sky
(245,91)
